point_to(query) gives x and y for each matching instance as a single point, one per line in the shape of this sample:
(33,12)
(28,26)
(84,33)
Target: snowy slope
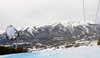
(81,52)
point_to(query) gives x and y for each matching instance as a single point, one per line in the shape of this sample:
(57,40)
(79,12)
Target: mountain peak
(75,23)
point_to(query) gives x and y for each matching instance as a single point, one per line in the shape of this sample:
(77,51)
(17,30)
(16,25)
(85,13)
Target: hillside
(81,52)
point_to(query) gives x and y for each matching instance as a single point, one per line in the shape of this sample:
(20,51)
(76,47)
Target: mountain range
(69,33)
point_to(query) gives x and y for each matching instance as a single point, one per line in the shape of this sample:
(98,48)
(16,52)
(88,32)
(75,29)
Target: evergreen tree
(98,42)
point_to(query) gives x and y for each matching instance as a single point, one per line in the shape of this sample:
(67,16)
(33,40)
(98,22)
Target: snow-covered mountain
(69,33)
(70,24)
(81,52)
(72,28)
(74,23)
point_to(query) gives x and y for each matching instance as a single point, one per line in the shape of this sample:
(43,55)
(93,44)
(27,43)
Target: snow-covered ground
(80,52)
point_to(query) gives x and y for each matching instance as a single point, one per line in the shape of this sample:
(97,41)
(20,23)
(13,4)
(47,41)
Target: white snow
(71,23)
(81,52)
(30,29)
(75,23)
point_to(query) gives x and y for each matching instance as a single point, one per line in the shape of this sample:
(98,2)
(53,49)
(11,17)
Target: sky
(22,13)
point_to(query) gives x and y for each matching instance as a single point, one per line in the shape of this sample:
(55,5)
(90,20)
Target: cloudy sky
(21,13)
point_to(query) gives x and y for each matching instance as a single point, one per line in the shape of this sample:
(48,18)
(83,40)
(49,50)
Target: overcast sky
(21,13)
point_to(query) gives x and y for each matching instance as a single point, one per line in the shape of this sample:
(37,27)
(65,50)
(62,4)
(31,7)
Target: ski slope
(81,52)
